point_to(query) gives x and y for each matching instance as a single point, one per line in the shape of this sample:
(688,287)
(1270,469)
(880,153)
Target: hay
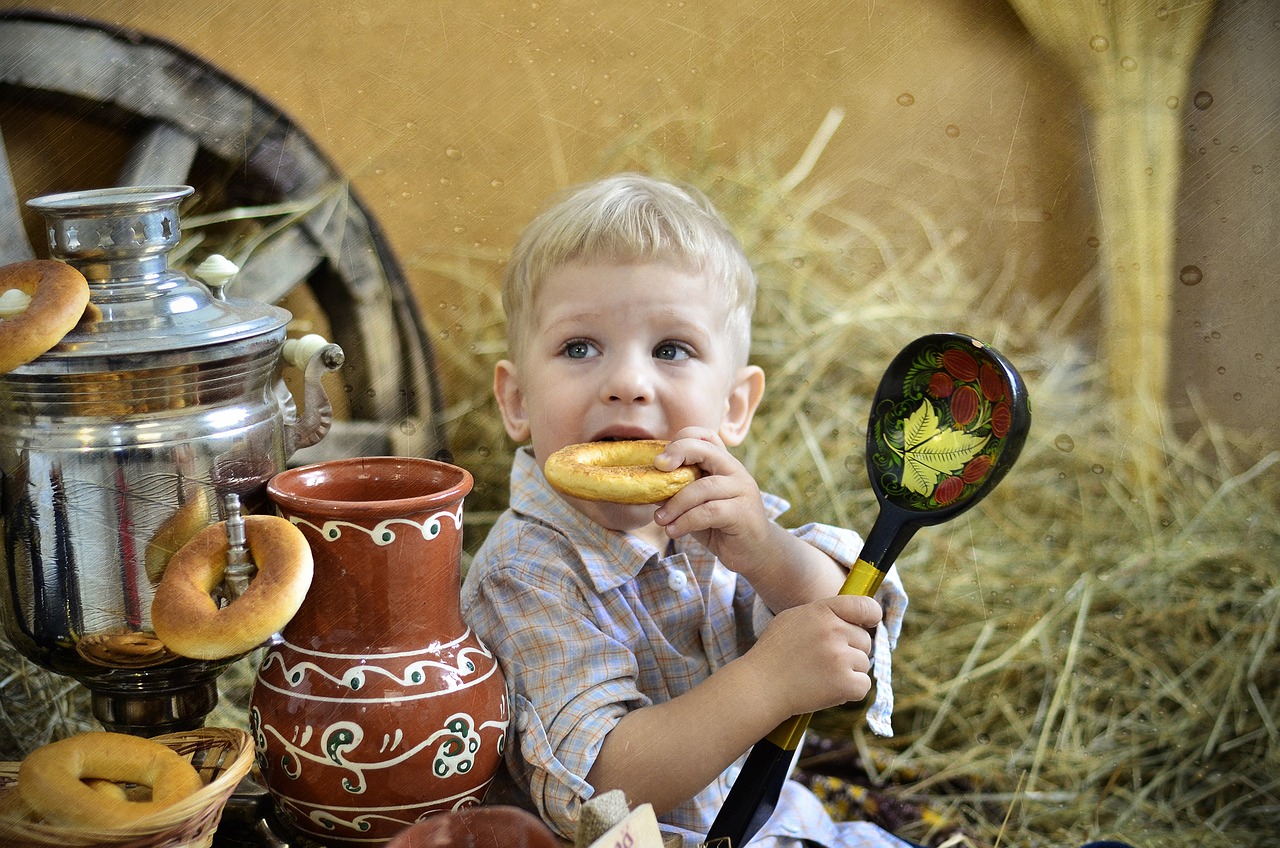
(1077,663)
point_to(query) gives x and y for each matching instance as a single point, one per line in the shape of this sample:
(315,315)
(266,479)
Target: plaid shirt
(591,623)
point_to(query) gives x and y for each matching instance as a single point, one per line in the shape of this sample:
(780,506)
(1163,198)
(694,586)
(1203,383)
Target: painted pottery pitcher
(377,705)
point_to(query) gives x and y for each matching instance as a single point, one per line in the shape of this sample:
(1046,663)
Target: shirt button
(677,580)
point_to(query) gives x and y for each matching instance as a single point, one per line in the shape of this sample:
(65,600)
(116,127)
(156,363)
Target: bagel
(615,472)
(123,649)
(178,529)
(53,297)
(184,614)
(59,781)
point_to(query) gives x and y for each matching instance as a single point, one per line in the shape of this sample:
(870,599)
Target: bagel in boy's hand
(615,472)
(57,781)
(40,302)
(187,619)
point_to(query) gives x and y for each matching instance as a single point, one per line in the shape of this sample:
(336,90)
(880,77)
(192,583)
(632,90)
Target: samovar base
(150,713)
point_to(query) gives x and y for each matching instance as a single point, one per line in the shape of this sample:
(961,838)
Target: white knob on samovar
(216,271)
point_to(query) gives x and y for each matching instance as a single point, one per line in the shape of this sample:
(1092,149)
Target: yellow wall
(455,119)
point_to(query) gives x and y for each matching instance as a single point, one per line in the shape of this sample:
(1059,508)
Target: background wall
(454,120)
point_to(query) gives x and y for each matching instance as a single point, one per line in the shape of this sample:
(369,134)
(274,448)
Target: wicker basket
(221,755)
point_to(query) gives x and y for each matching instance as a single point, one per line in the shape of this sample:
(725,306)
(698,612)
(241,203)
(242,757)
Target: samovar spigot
(240,565)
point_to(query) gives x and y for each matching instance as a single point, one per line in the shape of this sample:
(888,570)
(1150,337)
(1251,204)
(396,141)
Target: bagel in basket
(184,614)
(78,781)
(616,472)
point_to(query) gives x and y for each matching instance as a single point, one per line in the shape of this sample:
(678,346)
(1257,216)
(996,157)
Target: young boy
(647,649)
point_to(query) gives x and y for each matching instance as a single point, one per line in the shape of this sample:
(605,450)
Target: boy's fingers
(701,513)
(857,609)
(691,446)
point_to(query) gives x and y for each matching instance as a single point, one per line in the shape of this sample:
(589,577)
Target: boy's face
(635,351)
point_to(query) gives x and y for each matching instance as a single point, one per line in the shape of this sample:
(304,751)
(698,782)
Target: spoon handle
(755,791)
(864,579)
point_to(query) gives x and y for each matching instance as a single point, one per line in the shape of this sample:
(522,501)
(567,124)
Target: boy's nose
(627,382)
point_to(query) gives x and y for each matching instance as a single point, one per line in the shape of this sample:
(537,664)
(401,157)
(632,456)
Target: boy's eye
(578,349)
(671,351)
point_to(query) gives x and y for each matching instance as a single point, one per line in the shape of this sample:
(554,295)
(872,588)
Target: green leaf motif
(930,452)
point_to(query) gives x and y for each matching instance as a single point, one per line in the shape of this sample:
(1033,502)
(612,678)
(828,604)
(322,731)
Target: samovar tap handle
(316,356)
(240,566)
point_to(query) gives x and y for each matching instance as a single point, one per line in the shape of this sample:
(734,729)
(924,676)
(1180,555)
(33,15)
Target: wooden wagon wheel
(164,116)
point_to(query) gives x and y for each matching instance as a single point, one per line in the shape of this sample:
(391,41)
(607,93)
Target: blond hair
(623,219)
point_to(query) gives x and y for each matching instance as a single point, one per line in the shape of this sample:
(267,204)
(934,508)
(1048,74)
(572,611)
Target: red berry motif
(964,405)
(1001,420)
(948,490)
(941,385)
(976,468)
(961,365)
(992,383)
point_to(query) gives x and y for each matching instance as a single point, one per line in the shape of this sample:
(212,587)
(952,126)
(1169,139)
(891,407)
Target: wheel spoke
(162,156)
(14,246)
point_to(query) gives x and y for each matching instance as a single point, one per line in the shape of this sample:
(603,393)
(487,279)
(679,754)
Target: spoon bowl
(948,421)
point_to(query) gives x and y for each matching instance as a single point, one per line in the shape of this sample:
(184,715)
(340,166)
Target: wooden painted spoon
(949,418)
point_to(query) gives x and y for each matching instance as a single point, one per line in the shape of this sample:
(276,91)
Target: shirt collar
(610,557)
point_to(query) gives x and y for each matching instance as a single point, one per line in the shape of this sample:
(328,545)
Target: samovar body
(122,442)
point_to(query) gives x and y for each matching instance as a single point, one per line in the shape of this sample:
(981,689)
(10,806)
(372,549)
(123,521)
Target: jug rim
(340,486)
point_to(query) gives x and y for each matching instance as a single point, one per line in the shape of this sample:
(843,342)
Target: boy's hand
(722,508)
(816,656)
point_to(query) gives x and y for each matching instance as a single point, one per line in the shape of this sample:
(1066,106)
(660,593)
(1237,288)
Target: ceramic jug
(377,705)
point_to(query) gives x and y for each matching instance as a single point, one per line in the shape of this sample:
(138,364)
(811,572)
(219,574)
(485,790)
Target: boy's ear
(740,406)
(506,388)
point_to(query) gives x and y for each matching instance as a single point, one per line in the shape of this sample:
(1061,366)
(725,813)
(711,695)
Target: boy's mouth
(622,436)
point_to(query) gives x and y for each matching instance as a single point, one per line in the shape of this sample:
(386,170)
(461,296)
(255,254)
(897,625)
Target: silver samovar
(127,437)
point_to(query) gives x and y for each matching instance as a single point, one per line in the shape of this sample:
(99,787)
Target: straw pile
(1076,663)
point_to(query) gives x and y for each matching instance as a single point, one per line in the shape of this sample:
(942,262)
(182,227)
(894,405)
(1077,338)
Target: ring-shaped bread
(615,472)
(184,614)
(57,781)
(59,296)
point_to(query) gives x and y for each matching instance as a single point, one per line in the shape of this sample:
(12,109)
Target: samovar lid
(120,239)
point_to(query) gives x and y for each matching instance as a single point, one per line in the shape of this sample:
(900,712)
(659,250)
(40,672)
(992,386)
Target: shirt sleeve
(570,682)
(840,544)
